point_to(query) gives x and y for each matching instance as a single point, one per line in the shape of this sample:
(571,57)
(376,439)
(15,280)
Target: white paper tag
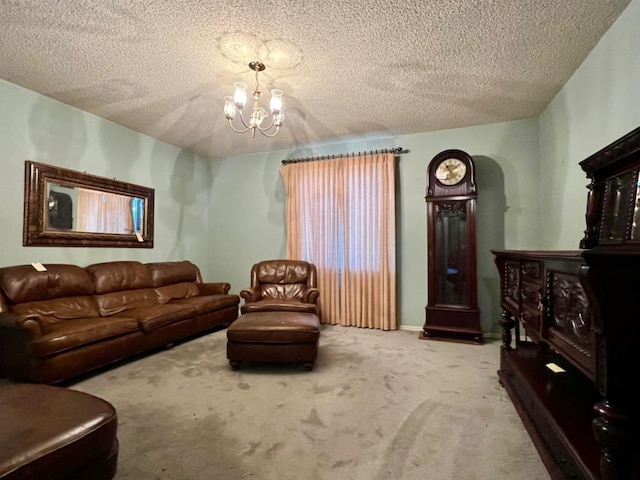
(139,237)
(39,267)
(555,368)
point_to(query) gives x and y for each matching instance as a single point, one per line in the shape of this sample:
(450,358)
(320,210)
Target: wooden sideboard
(584,418)
(570,356)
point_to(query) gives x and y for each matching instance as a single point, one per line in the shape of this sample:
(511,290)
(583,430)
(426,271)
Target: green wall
(227,214)
(34,127)
(599,104)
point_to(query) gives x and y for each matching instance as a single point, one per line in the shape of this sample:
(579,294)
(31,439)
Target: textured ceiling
(349,68)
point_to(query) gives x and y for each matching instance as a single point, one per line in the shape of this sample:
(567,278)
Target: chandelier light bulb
(240,95)
(276,101)
(257,113)
(278,120)
(229,108)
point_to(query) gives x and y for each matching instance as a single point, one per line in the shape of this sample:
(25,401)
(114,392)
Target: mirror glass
(617,194)
(69,208)
(451,260)
(80,209)
(635,227)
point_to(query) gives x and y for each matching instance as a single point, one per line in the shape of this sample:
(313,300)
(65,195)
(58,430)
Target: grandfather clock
(452,309)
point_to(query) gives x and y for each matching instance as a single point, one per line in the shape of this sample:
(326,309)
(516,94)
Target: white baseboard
(412,328)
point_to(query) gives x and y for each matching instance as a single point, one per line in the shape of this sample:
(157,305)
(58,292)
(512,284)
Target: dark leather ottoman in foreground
(274,337)
(54,433)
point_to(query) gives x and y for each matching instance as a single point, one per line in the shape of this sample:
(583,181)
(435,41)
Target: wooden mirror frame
(36,177)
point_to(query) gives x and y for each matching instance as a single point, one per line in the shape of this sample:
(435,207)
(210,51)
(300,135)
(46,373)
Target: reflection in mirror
(618,189)
(635,228)
(69,208)
(84,210)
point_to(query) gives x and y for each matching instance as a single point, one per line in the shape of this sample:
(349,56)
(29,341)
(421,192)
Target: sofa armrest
(10,321)
(214,288)
(311,295)
(250,294)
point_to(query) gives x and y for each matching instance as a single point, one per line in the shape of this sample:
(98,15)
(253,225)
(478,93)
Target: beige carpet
(379,405)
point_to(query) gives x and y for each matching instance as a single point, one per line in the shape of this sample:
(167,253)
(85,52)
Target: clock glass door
(451,258)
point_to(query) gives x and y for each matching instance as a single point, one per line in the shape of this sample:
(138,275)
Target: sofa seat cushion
(279,305)
(151,318)
(208,303)
(79,332)
(275,327)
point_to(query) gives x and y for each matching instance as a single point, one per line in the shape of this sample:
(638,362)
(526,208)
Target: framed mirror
(68,208)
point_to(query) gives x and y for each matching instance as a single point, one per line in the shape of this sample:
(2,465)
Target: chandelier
(258,114)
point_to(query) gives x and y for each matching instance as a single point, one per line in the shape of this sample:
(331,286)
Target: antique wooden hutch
(570,358)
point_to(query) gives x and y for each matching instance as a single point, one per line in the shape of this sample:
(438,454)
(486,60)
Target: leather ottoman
(54,433)
(274,337)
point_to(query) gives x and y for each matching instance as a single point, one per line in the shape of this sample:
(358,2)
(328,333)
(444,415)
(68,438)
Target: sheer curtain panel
(340,215)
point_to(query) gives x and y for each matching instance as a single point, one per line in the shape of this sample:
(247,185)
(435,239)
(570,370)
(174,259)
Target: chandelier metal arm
(264,129)
(235,129)
(270,135)
(249,127)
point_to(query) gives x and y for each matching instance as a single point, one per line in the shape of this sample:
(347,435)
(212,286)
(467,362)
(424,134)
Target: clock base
(453,324)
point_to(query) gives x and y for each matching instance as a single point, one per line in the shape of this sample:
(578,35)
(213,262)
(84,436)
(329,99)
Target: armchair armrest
(214,288)
(311,295)
(250,294)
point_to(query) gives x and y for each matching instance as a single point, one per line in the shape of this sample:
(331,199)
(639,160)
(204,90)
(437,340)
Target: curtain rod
(396,150)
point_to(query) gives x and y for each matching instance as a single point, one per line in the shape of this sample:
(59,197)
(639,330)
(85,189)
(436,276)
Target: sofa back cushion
(23,283)
(283,278)
(58,309)
(176,291)
(117,302)
(116,276)
(275,290)
(166,273)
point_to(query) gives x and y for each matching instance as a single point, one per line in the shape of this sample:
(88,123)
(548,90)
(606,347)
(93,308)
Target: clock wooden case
(452,307)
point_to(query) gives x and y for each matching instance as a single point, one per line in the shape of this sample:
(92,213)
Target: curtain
(103,212)
(340,215)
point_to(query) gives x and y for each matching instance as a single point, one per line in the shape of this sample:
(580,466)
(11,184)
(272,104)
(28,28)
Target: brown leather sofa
(68,320)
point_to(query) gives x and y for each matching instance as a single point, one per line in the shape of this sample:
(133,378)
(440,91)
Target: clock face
(451,171)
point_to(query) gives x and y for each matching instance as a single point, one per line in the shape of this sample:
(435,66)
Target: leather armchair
(282,285)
